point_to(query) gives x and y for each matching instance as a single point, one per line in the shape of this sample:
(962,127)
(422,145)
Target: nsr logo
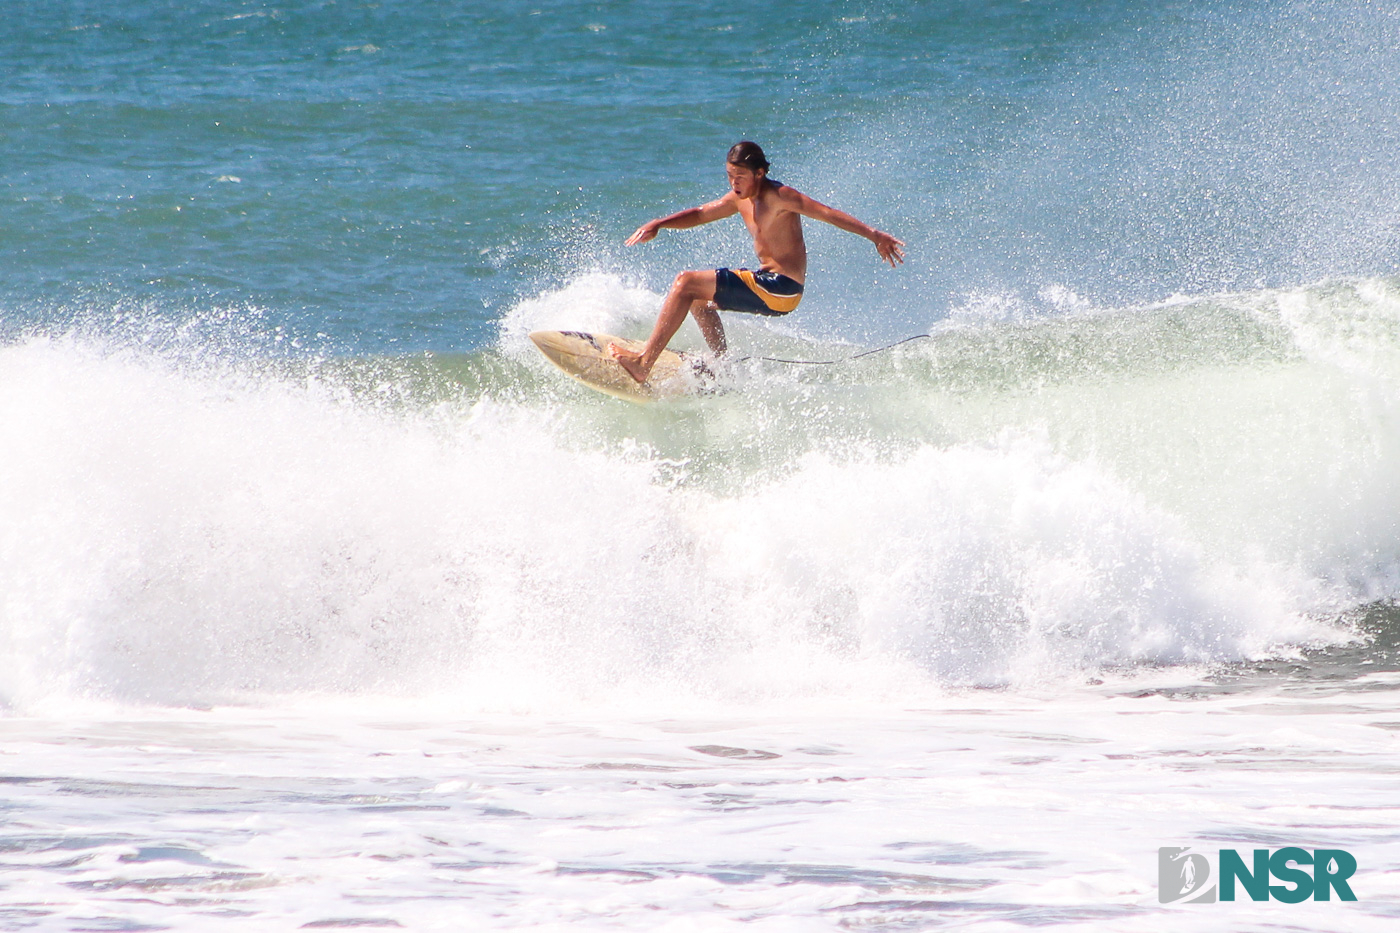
(1183,876)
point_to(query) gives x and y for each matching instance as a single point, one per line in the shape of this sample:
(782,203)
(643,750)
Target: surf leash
(774,359)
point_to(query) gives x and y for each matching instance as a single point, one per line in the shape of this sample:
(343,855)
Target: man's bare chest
(765,219)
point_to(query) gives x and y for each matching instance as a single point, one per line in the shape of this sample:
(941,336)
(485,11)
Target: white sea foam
(596,302)
(981,810)
(186,533)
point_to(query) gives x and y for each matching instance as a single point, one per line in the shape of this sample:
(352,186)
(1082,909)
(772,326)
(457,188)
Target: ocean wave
(1007,503)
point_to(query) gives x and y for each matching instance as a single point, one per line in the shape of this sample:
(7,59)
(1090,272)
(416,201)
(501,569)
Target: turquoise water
(397,176)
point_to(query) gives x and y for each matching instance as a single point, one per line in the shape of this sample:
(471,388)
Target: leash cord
(774,359)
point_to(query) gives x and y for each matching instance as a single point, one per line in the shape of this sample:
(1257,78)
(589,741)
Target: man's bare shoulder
(722,206)
(786,195)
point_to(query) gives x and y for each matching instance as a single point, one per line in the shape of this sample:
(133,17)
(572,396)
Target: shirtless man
(773,213)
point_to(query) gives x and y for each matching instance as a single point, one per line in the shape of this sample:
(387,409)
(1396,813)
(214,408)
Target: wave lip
(596,302)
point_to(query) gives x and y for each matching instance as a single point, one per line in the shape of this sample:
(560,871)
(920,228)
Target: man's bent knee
(694,284)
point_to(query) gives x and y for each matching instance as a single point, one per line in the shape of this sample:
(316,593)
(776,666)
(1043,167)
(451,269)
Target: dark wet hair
(747,155)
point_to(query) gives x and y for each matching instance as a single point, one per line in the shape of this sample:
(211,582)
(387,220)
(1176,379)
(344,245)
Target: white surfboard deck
(584,356)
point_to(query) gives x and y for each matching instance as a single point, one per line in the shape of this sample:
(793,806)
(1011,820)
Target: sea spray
(187,534)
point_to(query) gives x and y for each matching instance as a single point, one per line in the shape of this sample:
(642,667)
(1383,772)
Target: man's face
(744,182)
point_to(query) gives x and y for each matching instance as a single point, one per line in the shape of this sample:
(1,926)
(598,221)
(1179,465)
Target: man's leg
(707,316)
(688,288)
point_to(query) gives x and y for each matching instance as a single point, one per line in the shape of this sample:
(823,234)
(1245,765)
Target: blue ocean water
(397,176)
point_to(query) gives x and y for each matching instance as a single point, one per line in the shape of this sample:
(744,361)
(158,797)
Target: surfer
(773,213)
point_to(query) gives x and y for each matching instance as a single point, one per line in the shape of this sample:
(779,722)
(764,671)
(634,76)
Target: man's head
(747,167)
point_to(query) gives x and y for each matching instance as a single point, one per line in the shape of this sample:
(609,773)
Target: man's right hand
(646,231)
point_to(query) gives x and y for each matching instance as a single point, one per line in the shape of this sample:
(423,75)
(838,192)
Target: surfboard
(584,356)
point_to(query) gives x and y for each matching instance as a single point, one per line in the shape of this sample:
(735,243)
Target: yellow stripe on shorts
(780,303)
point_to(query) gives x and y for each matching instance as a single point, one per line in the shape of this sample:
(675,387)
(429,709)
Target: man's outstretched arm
(726,206)
(891,250)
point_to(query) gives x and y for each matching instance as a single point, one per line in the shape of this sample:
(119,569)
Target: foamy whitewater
(955,634)
(327,603)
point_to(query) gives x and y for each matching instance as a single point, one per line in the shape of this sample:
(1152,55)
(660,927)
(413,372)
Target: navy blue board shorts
(756,292)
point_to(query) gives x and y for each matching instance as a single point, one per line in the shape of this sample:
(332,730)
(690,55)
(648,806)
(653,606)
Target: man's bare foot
(630,361)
